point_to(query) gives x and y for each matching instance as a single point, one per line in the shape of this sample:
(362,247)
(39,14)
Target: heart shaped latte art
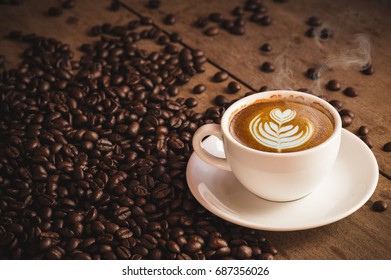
(278,133)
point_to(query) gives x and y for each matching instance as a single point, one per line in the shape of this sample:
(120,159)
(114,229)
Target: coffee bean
(191,102)
(237,30)
(201,22)
(212,31)
(221,100)
(54,11)
(387,147)
(266,256)
(91,136)
(267,67)
(379,206)
(122,213)
(170,19)
(333,85)
(336,104)
(363,130)
(347,112)
(123,252)
(367,69)
(173,247)
(244,252)
(104,145)
(217,242)
(266,20)
(123,233)
(216,17)
(266,47)
(220,76)
(367,140)
(346,120)
(233,87)
(154,4)
(68,4)
(312,73)
(351,92)
(314,21)
(200,88)
(238,11)
(193,246)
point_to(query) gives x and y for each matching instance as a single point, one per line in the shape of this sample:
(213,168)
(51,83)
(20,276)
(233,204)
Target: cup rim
(245,101)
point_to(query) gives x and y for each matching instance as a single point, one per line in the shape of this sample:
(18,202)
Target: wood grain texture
(363,235)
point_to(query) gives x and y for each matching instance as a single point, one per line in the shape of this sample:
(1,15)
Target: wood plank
(363,235)
(241,56)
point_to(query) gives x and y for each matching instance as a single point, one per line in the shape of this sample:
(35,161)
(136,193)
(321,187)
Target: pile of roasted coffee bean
(93,155)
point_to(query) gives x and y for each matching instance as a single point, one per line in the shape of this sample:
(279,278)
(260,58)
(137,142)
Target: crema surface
(280,126)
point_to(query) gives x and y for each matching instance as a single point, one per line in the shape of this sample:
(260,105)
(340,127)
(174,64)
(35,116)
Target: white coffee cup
(269,175)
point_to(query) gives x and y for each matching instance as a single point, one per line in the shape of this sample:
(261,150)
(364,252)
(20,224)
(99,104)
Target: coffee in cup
(281,126)
(280,145)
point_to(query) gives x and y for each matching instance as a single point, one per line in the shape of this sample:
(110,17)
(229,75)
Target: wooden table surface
(363,235)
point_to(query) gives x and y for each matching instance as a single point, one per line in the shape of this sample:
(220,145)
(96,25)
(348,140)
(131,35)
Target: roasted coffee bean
(326,33)
(115,6)
(347,112)
(313,21)
(367,140)
(333,85)
(193,246)
(266,256)
(220,76)
(233,87)
(312,73)
(170,19)
(104,145)
(123,233)
(351,92)
(310,32)
(266,47)
(68,4)
(367,69)
(221,100)
(201,22)
(336,104)
(387,147)
(212,31)
(266,20)
(191,102)
(154,4)
(217,242)
(54,11)
(363,130)
(267,67)
(238,11)
(379,206)
(123,252)
(244,252)
(227,24)
(148,241)
(237,30)
(346,120)
(198,89)
(216,17)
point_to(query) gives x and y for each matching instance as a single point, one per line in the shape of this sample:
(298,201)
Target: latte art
(279,133)
(280,126)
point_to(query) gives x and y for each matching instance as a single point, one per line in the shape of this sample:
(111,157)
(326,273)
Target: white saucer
(352,182)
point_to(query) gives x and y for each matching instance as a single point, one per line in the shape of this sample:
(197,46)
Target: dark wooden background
(363,235)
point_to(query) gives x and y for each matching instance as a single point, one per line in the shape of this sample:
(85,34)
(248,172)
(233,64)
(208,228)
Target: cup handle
(200,134)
